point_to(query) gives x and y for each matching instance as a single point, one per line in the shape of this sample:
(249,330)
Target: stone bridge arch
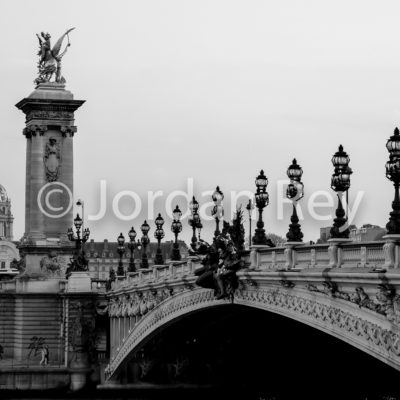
(368,330)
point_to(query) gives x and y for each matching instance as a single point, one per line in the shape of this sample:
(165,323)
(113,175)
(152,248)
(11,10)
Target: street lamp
(217,210)
(194,221)
(145,241)
(159,234)
(295,192)
(199,228)
(250,208)
(121,251)
(79,262)
(340,183)
(176,228)
(132,245)
(81,204)
(393,173)
(262,200)
(78,239)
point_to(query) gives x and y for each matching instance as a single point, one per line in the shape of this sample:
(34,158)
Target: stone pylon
(49,132)
(40,305)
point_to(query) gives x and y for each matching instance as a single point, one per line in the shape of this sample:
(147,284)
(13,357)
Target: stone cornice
(28,105)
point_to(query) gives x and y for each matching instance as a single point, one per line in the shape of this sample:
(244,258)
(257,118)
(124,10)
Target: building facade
(6,217)
(9,254)
(367,233)
(103,256)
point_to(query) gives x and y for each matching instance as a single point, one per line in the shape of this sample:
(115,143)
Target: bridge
(349,290)
(345,289)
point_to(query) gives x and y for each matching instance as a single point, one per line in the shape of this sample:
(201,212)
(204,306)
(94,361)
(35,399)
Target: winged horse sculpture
(50,58)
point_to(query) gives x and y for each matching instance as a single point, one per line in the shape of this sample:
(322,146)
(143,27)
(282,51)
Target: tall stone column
(49,131)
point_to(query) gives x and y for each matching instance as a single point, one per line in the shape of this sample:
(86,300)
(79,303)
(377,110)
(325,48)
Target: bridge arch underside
(261,338)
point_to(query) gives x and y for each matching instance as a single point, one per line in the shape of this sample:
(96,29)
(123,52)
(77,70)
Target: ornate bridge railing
(349,290)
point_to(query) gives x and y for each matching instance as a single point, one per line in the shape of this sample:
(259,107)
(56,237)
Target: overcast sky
(213,90)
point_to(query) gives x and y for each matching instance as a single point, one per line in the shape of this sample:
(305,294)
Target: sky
(213,91)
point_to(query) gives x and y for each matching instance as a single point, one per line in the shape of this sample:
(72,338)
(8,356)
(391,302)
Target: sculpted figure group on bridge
(221,259)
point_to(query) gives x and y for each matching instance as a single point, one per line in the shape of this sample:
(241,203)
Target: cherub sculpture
(50,58)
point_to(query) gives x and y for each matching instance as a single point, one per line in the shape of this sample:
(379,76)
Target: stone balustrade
(329,255)
(336,254)
(98,285)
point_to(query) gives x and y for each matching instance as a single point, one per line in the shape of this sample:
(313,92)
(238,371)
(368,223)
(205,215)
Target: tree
(380,235)
(276,239)
(237,231)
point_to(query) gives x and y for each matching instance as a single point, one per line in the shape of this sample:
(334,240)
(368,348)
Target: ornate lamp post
(195,220)
(121,251)
(393,173)
(132,245)
(199,228)
(176,228)
(145,241)
(217,211)
(78,239)
(262,200)
(295,192)
(159,234)
(340,183)
(79,261)
(80,203)
(250,208)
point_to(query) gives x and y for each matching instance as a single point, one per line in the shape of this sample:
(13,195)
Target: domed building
(6,218)
(8,251)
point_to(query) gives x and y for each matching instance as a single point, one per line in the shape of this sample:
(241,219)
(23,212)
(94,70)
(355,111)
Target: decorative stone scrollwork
(387,302)
(137,304)
(350,323)
(125,306)
(330,288)
(68,130)
(50,265)
(34,130)
(118,308)
(51,115)
(188,286)
(287,284)
(312,288)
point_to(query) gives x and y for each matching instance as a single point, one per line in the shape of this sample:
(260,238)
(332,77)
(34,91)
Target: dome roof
(3,194)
